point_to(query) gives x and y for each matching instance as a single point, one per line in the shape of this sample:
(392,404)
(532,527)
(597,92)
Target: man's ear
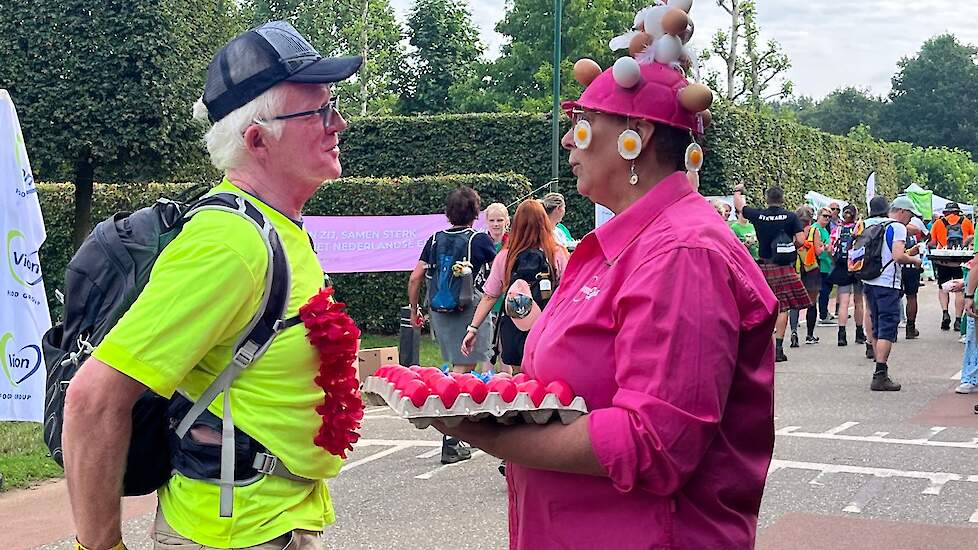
(254,141)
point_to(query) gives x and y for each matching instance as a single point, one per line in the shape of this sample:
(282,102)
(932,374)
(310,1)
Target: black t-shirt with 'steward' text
(768,223)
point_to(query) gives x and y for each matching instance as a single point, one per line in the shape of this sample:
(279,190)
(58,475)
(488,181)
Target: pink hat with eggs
(650,82)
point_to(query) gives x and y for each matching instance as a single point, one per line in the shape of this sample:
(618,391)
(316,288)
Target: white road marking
(956,376)
(430,454)
(974,517)
(373,457)
(376,416)
(936,478)
(398,442)
(428,475)
(841,427)
(865,495)
(879,437)
(375,409)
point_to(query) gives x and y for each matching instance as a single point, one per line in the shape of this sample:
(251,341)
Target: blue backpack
(450,275)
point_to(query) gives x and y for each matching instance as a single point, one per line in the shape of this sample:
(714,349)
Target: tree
(521,78)
(844,109)
(105,89)
(346,27)
(933,100)
(752,68)
(447,50)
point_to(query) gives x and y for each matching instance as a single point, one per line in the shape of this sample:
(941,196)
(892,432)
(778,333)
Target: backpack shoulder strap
(267,322)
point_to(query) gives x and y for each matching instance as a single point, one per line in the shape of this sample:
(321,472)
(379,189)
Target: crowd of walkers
(874,264)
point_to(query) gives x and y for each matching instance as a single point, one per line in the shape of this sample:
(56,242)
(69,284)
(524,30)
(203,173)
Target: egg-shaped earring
(629,145)
(582,134)
(694,157)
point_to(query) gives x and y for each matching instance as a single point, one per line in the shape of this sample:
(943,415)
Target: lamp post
(555,115)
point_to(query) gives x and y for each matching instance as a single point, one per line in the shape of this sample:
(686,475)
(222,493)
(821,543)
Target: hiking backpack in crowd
(532,266)
(783,250)
(449,273)
(807,259)
(866,255)
(102,281)
(842,245)
(955,232)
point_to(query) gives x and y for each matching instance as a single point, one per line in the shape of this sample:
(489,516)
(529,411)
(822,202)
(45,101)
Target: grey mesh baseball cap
(260,58)
(904,203)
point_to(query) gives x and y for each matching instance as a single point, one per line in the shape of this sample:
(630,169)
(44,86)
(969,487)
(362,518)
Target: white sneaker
(966,388)
(903,324)
(963,340)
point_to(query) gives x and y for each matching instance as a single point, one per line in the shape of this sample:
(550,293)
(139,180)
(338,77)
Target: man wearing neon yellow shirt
(274,133)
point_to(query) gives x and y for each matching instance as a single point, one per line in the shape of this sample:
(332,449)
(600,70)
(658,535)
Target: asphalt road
(852,468)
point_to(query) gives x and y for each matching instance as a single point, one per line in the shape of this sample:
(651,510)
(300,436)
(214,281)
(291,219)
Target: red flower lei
(334,335)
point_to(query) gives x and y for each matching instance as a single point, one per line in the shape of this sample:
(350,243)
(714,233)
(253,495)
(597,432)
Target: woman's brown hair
(530,229)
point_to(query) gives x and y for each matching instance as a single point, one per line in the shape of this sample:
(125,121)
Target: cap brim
(328,70)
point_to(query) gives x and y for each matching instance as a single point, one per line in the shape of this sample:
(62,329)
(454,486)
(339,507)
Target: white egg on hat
(684,5)
(668,49)
(627,72)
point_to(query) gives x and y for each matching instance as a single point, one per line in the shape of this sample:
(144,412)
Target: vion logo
(25,267)
(19,363)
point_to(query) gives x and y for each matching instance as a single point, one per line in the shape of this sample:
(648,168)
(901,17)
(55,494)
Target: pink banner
(371,244)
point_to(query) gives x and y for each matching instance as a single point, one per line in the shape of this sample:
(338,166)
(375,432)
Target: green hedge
(742,147)
(374,298)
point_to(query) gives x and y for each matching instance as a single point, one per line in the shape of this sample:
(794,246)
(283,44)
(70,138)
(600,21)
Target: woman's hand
(477,434)
(969,308)
(468,343)
(417,319)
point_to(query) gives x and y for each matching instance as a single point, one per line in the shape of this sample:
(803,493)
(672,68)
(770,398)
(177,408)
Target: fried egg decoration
(582,134)
(694,157)
(629,145)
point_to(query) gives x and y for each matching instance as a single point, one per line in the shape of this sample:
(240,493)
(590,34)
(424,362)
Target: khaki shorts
(165,538)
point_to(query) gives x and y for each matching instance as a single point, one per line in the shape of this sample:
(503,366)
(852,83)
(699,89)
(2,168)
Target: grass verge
(24,459)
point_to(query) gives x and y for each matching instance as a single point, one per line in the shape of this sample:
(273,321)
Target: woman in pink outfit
(662,323)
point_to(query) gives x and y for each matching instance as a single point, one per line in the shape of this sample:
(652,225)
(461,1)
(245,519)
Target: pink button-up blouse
(663,323)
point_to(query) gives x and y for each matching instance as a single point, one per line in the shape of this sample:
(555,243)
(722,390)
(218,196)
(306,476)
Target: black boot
(453,450)
(881,380)
(912,332)
(860,335)
(946,321)
(870,353)
(957,324)
(842,337)
(794,339)
(779,356)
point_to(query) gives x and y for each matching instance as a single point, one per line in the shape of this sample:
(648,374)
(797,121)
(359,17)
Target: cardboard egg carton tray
(381,392)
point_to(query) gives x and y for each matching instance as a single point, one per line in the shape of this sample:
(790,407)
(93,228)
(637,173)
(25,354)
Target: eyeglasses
(327,112)
(825,216)
(834,209)
(576,115)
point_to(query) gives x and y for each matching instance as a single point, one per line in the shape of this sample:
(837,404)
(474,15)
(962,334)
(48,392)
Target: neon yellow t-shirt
(202,293)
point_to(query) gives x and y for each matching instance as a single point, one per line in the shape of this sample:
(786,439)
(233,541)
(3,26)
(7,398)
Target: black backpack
(783,249)
(955,232)
(449,289)
(102,281)
(533,267)
(866,255)
(843,244)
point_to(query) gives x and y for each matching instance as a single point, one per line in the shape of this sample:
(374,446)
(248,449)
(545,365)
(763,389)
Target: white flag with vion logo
(24,315)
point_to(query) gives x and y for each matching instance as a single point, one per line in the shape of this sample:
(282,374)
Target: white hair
(225,139)
(497,207)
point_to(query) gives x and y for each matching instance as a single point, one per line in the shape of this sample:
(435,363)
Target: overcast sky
(831,43)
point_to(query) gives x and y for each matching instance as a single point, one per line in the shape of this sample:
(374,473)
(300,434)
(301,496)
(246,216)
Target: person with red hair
(531,245)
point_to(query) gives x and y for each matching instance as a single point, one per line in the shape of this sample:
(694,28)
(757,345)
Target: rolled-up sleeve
(675,355)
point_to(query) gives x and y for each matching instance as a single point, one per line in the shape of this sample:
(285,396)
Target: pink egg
(535,390)
(562,390)
(457,375)
(415,368)
(505,375)
(417,391)
(433,374)
(405,379)
(504,387)
(382,372)
(446,388)
(520,378)
(475,388)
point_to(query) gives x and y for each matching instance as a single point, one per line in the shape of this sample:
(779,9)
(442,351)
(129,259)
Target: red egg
(504,387)
(415,368)
(562,390)
(433,374)
(520,378)
(417,391)
(382,372)
(535,390)
(457,375)
(446,388)
(405,379)
(475,388)
(505,375)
